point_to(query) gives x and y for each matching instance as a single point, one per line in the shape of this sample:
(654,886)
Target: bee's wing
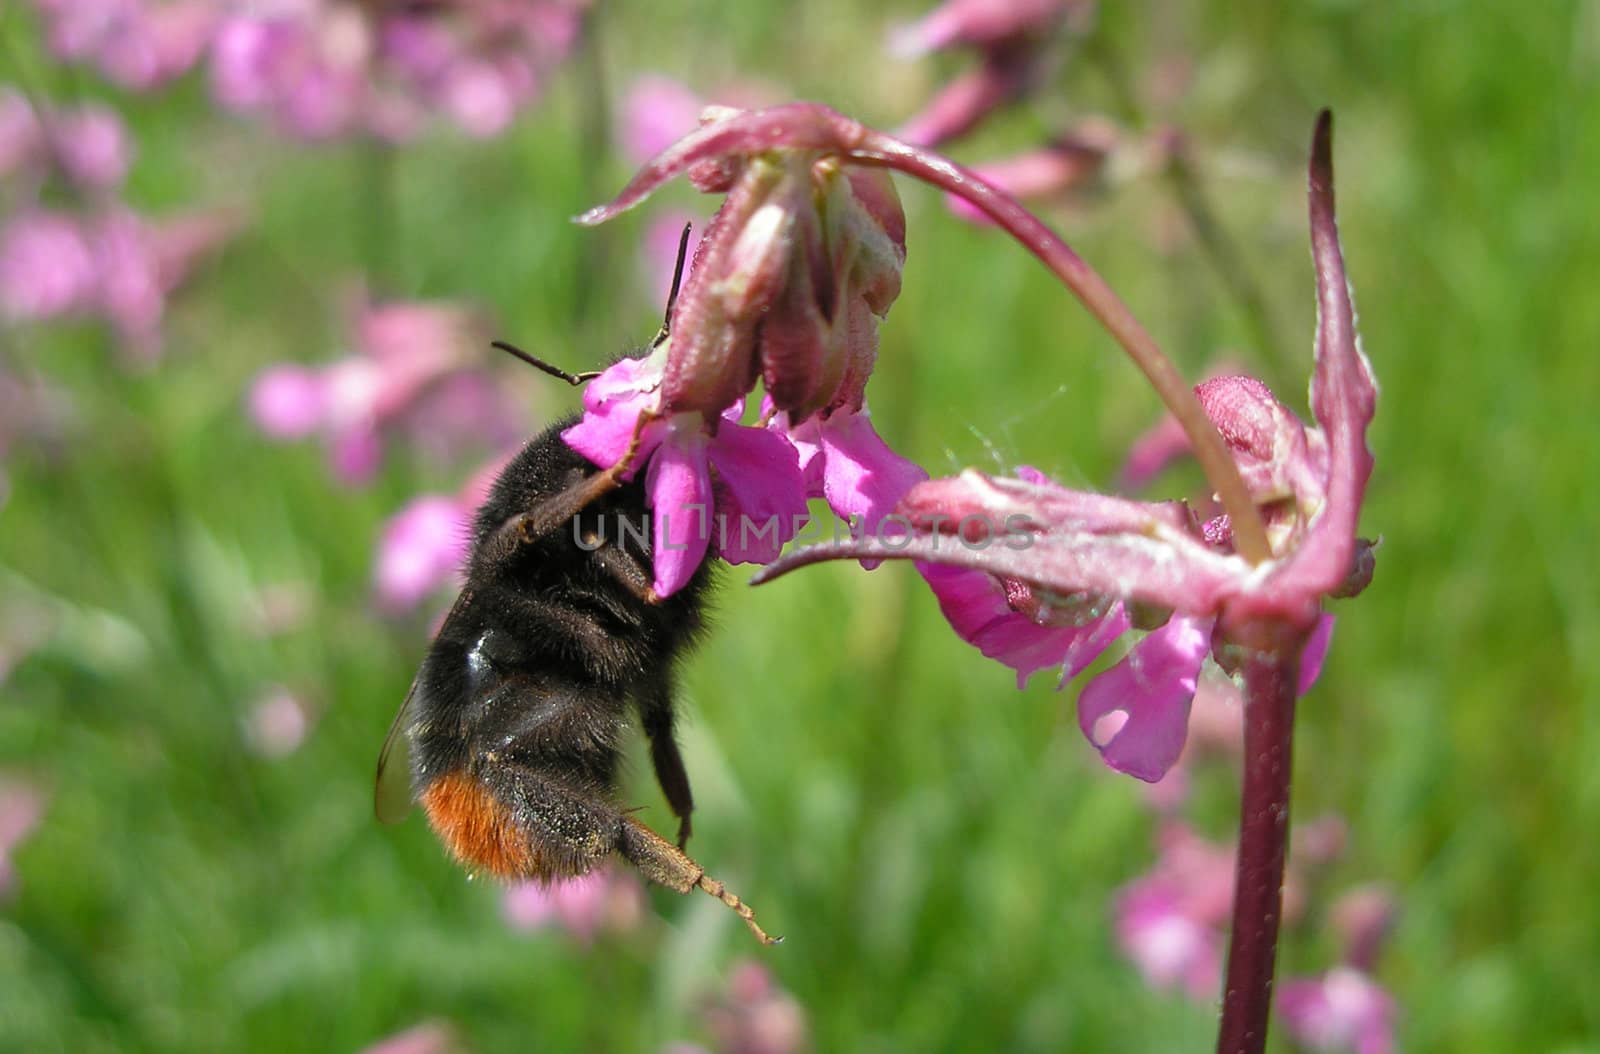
(391,797)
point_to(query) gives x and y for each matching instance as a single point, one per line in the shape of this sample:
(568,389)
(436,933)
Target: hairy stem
(1270,668)
(1250,537)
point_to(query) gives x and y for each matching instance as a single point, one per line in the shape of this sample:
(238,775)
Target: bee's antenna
(573,379)
(677,280)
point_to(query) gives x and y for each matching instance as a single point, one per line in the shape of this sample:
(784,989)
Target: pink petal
(975,605)
(965,101)
(976,23)
(355,453)
(806,438)
(656,113)
(761,492)
(1152,689)
(1315,653)
(47,266)
(612,404)
(1168,944)
(862,477)
(421,549)
(1343,1010)
(678,488)
(430,1037)
(287,402)
(93,147)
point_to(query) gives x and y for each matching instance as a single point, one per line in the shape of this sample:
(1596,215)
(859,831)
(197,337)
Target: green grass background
(939,849)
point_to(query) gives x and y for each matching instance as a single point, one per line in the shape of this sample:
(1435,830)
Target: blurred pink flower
(93,146)
(430,1037)
(411,368)
(20,140)
(604,899)
(287,401)
(324,69)
(656,112)
(423,546)
(1069,163)
(88,145)
(1011,38)
(139,44)
(979,24)
(21,808)
(1342,1010)
(116,265)
(756,1016)
(1363,918)
(277,723)
(47,267)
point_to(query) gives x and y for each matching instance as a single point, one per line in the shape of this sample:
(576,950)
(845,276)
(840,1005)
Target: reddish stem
(1250,536)
(1270,668)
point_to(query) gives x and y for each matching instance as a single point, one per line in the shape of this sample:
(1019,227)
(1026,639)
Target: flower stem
(1271,668)
(1250,537)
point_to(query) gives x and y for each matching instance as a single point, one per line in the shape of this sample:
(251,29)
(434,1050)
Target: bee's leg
(557,513)
(569,830)
(665,864)
(655,706)
(624,568)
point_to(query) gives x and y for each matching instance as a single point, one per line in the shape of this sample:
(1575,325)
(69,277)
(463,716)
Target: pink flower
(20,139)
(1363,918)
(756,1016)
(422,548)
(1010,37)
(410,367)
(21,809)
(979,24)
(1342,1010)
(1069,163)
(846,463)
(430,1037)
(93,147)
(603,899)
(136,43)
(1170,947)
(288,401)
(324,69)
(757,506)
(1181,579)
(117,265)
(277,723)
(47,267)
(656,112)
(787,286)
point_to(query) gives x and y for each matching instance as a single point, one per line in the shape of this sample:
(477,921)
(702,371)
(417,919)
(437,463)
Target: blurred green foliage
(939,849)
